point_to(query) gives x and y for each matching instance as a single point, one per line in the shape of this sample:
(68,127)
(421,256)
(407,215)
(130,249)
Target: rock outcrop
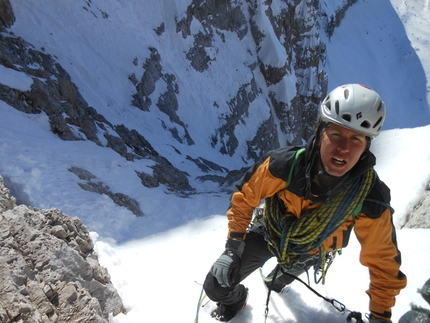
(418,217)
(418,314)
(49,271)
(7,17)
(295,28)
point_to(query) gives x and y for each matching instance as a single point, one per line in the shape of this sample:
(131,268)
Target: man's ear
(369,141)
(367,147)
(319,130)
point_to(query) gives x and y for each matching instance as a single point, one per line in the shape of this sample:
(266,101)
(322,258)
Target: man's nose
(343,144)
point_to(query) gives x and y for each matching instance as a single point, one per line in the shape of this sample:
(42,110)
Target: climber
(313,197)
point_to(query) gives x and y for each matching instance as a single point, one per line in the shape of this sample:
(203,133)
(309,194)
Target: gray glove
(226,268)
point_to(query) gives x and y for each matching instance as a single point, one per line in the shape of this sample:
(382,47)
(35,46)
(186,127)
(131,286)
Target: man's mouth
(338,161)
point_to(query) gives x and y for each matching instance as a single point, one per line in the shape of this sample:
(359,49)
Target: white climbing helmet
(354,106)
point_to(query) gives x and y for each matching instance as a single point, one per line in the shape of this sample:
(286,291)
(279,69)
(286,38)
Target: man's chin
(336,172)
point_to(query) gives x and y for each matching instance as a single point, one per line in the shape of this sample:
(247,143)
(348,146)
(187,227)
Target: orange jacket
(373,226)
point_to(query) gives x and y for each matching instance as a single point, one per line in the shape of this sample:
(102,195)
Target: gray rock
(7,18)
(49,271)
(418,217)
(418,314)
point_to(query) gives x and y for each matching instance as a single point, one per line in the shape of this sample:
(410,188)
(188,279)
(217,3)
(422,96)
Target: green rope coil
(292,237)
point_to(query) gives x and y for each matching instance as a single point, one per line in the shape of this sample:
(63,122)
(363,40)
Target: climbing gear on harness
(290,237)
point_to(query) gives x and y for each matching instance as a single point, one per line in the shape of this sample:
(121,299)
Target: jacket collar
(312,158)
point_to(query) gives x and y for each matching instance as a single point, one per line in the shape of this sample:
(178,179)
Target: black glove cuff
(384,316)
(235,246)
(376,317)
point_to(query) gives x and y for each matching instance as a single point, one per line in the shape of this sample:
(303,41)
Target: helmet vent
(336,106)
(346,94)
(346,117)
(379,108)
(377,122)
(365,124)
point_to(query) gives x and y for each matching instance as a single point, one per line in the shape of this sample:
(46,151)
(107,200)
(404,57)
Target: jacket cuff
(379,312)
(235,246)
(236,235)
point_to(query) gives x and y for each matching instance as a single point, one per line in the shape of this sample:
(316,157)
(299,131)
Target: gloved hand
(373,319)
(226,268)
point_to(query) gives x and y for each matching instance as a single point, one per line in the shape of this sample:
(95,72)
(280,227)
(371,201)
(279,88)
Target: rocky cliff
(49,271)
(285,52)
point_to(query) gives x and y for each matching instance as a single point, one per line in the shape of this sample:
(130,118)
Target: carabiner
(338,305)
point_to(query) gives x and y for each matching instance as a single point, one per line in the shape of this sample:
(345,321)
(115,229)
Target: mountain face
(272,101)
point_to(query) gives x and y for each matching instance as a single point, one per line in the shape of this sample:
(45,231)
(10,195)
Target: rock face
(418,217)
(7,17)
(70,117)
(49,271)
(273,101)
(418,314)
(288,119)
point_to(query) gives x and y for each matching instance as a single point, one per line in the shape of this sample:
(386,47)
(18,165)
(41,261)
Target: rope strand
(292,237)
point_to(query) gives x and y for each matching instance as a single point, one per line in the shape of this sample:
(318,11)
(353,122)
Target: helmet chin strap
(324,179)
(320,169)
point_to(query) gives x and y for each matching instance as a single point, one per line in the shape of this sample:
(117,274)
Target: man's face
(341,149)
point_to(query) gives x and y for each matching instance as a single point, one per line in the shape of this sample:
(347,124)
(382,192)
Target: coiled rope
(292,237)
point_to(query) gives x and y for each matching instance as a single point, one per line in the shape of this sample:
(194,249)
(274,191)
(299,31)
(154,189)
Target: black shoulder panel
(281,160)
(279,165)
